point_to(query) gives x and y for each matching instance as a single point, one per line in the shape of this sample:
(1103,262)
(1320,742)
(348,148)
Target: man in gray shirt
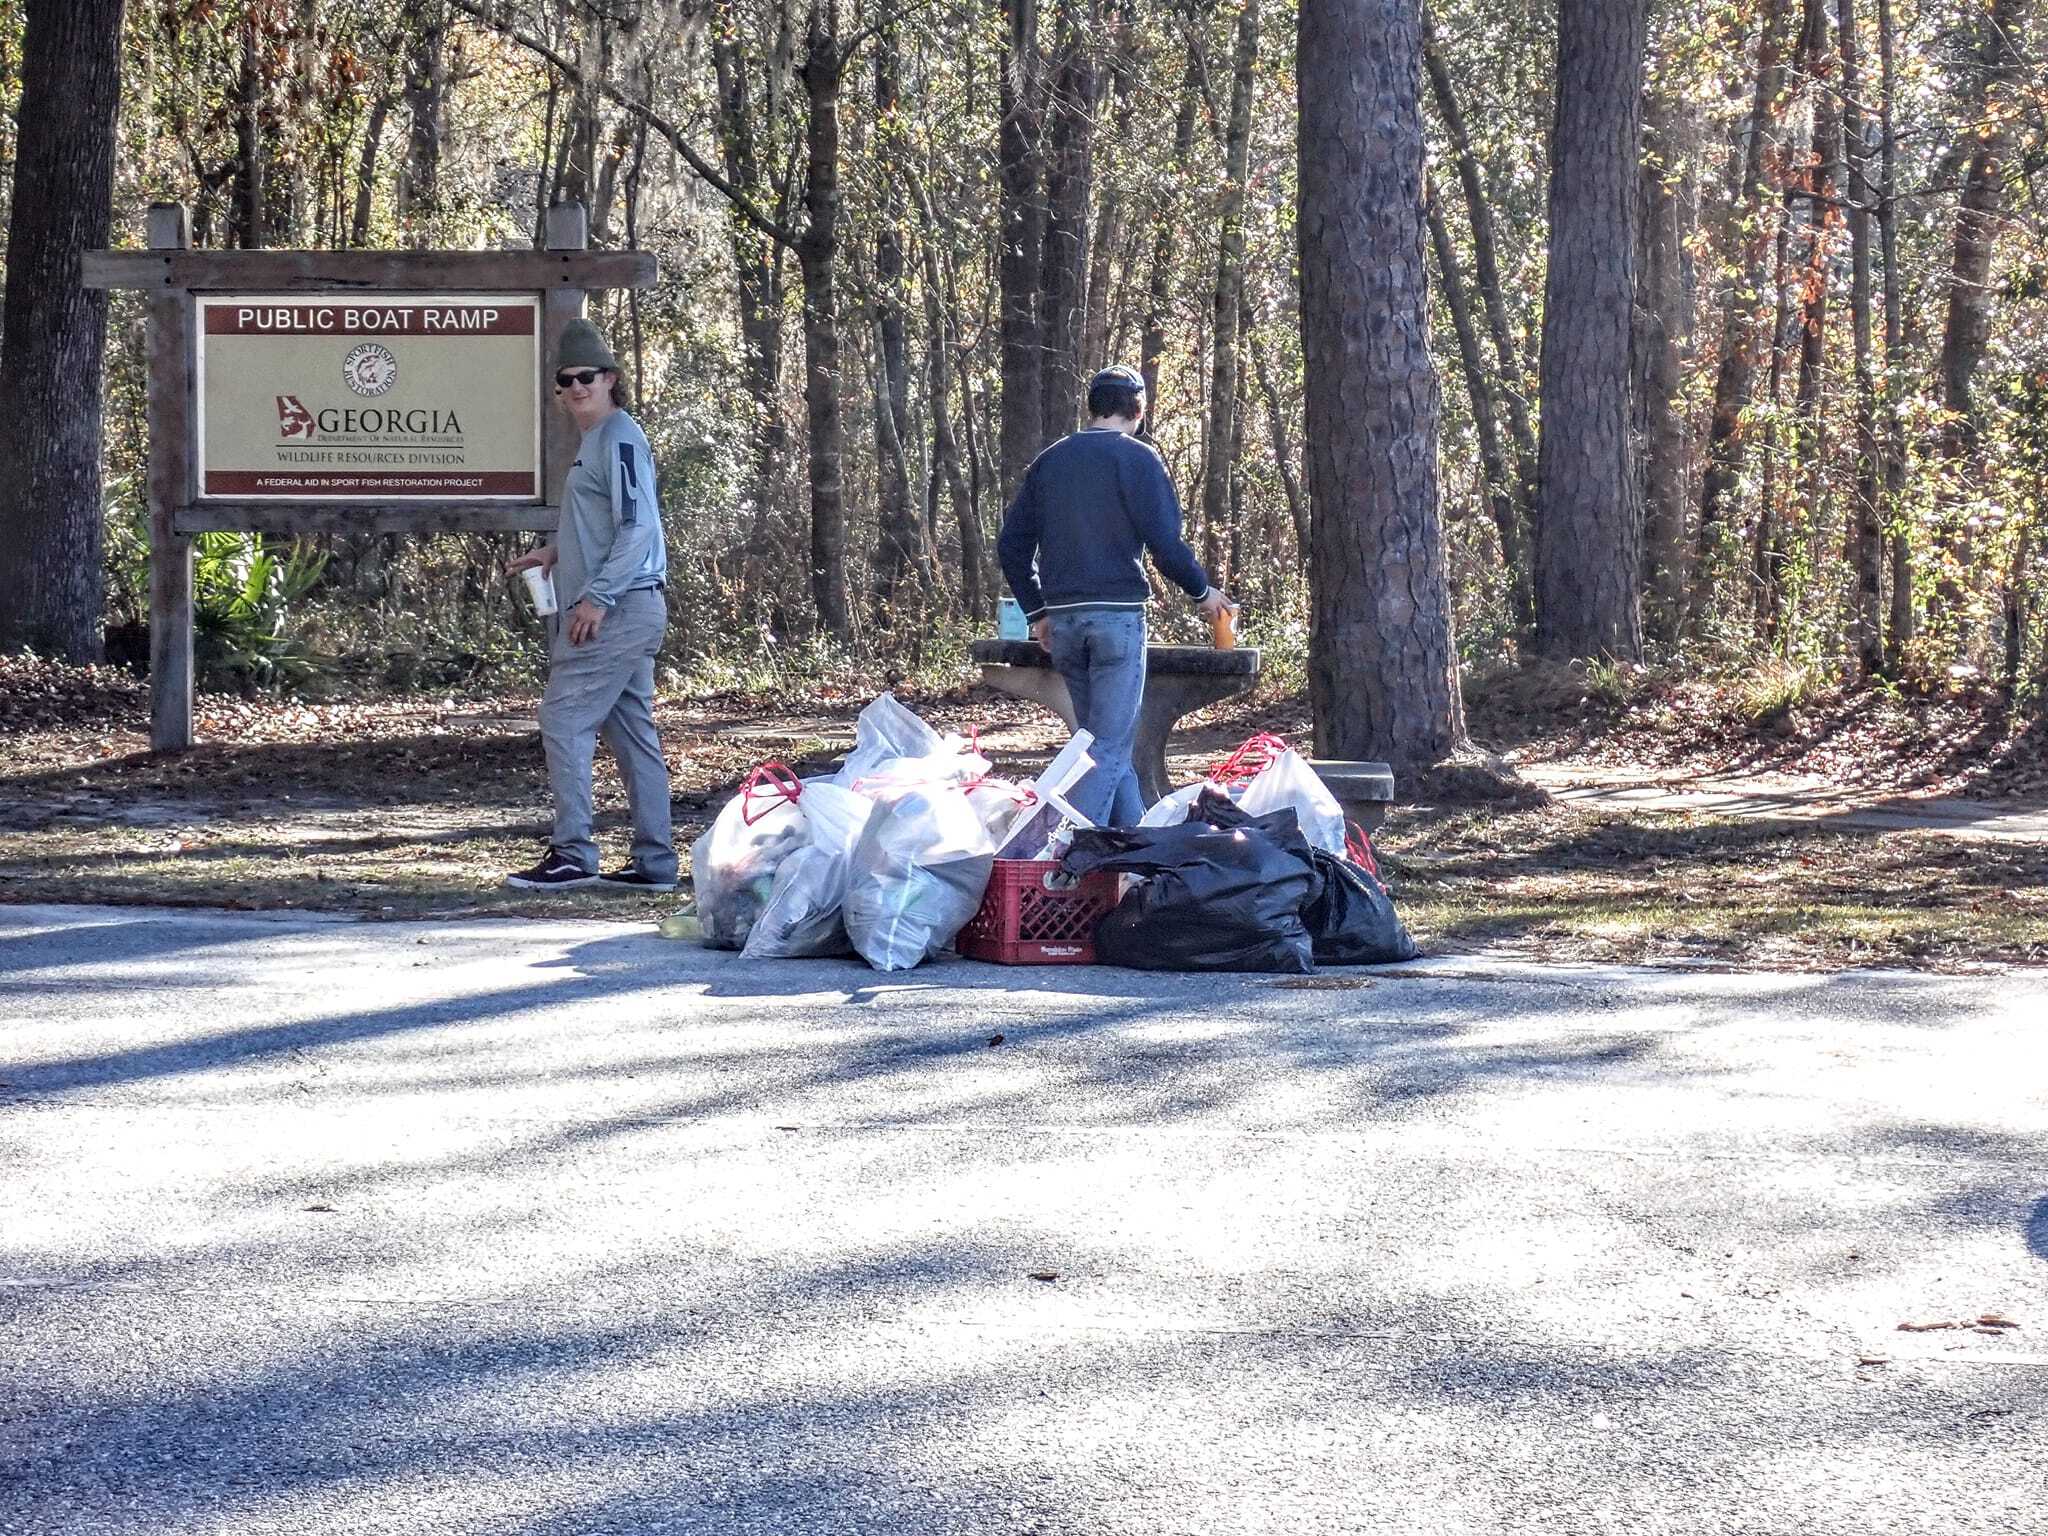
(610,567)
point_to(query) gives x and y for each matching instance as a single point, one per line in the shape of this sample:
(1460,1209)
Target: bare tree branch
(748,209)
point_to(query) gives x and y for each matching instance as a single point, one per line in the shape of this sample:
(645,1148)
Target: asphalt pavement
(313,1225)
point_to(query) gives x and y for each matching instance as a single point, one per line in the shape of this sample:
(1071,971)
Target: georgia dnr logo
(293,419)
(370,369)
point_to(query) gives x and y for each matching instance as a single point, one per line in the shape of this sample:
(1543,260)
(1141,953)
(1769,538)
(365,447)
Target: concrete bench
(1178,680)
(1365,790)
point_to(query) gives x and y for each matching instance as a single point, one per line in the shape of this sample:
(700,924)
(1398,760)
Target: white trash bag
(733,864)
(884,735)
(1232,777)
(1288,781)
(1171,809)
(803,915)
(1263,775)
(916,875)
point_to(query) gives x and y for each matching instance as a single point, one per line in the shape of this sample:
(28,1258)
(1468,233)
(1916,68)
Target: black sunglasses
(585,376)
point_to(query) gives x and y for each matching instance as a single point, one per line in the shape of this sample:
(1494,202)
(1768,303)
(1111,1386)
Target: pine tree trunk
(1899,632)
(973,560)
(606,197)
(1588,518)
(1234,510)
(366,172)
(248,215)
(1109,224)
(1968,329)
(53,331)
(426,101)
(298,214)
(544,173)
(1283,457)
(1069,176)
(901,557)
(1725,444)
(1228,293)
(1382,665)
(1508,357)
(758,267)
(2013,601)
(1493,468)
(1662,322)
(939,303)
(1767,551)
(1165,236)
(1022,242)
(1866,542)
(1822,183)
(818,254)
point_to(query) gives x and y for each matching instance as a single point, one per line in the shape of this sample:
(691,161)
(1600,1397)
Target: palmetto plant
(242,589)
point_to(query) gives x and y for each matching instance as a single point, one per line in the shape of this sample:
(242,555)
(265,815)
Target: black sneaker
(556,872)
(634,878)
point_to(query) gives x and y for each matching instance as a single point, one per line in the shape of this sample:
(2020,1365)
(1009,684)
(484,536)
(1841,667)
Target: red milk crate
(1034,915)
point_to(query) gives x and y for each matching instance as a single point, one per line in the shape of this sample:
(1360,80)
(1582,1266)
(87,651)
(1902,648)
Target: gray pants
(606,687)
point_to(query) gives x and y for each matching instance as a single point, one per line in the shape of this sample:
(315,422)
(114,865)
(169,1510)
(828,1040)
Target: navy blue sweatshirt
(1089,508)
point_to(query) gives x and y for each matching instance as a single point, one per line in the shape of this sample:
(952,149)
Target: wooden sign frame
(174,275)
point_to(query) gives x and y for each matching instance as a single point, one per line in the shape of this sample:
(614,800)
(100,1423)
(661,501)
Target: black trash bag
(1212,899)
(1353,921)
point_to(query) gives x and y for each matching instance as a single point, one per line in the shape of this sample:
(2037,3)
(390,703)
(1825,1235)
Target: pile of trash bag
(1253,869)
(1249,874)
(887,858)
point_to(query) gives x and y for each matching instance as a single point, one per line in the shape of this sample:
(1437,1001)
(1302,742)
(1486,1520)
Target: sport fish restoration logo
(370,369)
(293,419)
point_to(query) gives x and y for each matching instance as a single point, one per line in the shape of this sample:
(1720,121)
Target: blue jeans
(1101,654)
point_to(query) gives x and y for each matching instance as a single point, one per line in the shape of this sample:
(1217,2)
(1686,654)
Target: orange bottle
(1224,629)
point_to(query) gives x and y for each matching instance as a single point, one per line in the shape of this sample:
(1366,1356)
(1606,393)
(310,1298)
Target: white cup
(540,586)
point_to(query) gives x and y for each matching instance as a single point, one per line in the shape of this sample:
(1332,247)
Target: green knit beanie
(583,347)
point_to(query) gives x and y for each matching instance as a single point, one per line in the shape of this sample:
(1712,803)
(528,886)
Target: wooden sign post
(346,392)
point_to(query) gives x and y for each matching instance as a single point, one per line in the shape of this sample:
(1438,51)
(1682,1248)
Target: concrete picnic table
(1179,679)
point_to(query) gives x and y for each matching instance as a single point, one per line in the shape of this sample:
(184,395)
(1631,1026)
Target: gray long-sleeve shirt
(610,541)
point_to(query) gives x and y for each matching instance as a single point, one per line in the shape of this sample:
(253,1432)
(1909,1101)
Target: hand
(542,559)
(585,620)
(1214,605)
(1041,631)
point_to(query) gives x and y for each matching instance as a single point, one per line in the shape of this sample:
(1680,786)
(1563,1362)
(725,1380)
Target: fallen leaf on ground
(995,1039)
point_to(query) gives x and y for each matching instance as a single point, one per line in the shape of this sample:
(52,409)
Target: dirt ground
(417,807)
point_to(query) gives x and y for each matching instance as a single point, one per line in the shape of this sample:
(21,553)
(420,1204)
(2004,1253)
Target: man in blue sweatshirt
(1073,549)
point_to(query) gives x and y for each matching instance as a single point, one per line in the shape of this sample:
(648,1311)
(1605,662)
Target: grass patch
(1575,883)
(412,808)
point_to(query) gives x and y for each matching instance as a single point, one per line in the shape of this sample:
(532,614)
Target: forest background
(893,240)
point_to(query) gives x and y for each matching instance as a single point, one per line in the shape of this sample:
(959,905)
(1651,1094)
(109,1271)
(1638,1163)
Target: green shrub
(242,591)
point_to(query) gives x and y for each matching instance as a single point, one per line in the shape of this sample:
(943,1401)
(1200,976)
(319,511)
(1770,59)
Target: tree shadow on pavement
(640,1239)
